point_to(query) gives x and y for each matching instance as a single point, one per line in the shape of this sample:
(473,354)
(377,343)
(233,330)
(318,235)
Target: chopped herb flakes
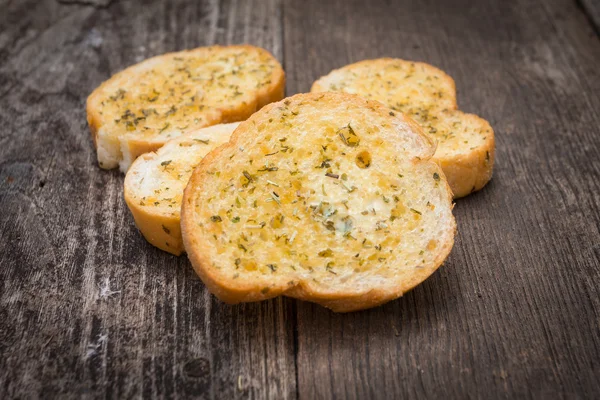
(363,159)
(326,253)
(275,198)
(246,178)
(164,128)
(348,136)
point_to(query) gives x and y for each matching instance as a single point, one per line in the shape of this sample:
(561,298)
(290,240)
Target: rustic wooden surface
(89,309)
(591,8)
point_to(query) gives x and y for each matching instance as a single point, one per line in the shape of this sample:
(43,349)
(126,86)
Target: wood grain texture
(88,309)
(514,313)
(592,9)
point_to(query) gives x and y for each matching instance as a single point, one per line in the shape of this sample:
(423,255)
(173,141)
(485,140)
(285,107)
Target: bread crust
(135,146)
(236,291)
(466,172)
(160,230)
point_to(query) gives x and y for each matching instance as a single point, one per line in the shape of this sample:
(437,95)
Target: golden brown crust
(272,90)
(93,118)
(231,291)
(469,168)
(468,173)
(162,231)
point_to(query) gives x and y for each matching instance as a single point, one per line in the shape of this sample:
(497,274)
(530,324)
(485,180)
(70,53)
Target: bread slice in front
(466,146)
(325,197)
(155,182)
(141,108)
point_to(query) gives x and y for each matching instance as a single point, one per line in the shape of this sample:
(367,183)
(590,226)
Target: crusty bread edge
(160,230)
(336,301)
(265,95)
(468,173)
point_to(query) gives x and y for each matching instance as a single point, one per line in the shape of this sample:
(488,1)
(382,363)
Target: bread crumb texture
(144,106)
(326,197)
(426,94)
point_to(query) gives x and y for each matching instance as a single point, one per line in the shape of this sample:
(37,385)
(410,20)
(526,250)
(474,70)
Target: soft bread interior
(159,179)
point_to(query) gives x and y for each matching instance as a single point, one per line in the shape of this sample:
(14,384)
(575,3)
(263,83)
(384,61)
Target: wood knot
(197,368)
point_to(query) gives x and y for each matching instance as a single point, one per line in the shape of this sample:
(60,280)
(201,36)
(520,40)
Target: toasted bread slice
(155,182)
(325,197)
(139,109)
(465,148)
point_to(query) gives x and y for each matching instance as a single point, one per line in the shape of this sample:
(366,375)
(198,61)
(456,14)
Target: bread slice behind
(466,143)
(155,182)
(142,107)
(325,197)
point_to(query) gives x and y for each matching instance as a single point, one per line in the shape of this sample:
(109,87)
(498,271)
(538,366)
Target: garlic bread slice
(325,197)
(141,108)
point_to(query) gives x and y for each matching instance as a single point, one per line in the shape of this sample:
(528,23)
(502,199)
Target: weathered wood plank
(514,312)
(592,9)
(87,307)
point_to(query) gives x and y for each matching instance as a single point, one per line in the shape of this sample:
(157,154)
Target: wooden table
(89,309)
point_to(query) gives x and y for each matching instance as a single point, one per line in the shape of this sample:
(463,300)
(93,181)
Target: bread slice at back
(139,109)
(465,148)
(155,182)
(325,197)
